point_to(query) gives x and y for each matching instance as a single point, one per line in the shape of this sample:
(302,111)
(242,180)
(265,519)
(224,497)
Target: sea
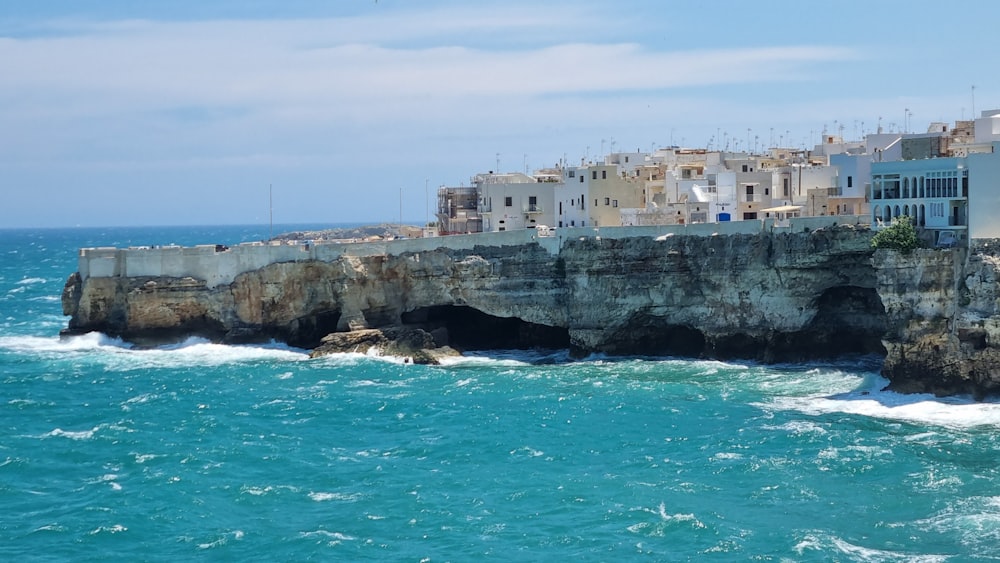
(201,451)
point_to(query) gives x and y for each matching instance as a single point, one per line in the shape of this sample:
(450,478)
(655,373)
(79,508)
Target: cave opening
(467,328)
(651,338)
(307,331)
(849,320)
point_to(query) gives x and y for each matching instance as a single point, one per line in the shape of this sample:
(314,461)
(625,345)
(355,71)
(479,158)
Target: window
(604,174)
(560,212)
(626,160)
(572,173)
(508,201)
(850,181)
(595,202)
(784,186)
(614,203)
(607,201)
(745,167)
(767,191)
(593,175)
(581,178)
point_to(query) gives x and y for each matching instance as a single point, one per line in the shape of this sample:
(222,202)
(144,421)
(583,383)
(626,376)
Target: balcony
(533,209)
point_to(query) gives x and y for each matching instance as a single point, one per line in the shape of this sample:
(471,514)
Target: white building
(593,196)
(514,201)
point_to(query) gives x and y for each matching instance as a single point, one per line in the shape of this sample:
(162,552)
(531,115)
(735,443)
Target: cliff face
(943,309)
(766,296)
(935,314)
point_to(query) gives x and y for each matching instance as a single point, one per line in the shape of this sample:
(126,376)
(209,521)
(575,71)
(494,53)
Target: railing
(532,208)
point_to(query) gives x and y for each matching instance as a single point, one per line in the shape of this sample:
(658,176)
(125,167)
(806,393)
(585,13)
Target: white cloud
(303,66)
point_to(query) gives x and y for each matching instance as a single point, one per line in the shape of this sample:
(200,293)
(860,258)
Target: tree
(901,235)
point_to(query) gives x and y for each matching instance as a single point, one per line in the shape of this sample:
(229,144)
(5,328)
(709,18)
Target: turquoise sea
(199,451)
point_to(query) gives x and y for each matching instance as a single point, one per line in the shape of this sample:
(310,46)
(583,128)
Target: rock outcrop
(413,344)
(943,310)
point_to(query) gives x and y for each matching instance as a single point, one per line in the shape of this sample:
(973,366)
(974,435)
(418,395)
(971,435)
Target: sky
(185,112)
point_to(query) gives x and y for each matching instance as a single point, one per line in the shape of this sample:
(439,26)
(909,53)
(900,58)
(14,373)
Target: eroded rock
(416,345)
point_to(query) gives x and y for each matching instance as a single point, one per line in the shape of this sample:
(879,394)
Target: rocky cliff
(765,296)
(943,312)
(768,296)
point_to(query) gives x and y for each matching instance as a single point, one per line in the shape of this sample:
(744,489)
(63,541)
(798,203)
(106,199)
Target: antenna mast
(270,212)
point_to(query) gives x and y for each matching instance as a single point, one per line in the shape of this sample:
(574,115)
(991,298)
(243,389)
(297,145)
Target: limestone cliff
(766,296)
(943,310)
(769,296)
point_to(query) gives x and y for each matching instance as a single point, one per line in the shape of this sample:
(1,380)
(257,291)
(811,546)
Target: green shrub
(901,235)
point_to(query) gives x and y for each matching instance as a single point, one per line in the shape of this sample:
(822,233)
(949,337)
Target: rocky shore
(770,297)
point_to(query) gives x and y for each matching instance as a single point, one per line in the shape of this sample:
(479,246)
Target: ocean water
(199,451)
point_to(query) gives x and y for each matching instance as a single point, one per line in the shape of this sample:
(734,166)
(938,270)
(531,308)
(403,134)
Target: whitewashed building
(514,201)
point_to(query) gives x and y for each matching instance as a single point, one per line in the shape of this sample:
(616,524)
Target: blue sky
(118,112)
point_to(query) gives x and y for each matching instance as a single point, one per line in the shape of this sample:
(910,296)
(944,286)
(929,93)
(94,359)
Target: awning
(782,209)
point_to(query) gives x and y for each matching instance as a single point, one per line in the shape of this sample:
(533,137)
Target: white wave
(32,281)
(199,351)
(798,427)
(46,298)
(664,521)
(111,479)
(117,528)
(527,451)
(343,497)
(509,358)
(143,458)
(355,358)
(827,543)
(952,412)
(124,356)
(337,536)
(975,521)
(80,435)
(235,534)
(82,343)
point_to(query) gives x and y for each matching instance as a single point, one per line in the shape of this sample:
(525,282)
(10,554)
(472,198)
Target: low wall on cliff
(219,265)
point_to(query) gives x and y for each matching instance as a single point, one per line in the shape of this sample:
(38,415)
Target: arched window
(920,217)
(896,212)
(877,213)
(906,188)
(921,186)
(906,210)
